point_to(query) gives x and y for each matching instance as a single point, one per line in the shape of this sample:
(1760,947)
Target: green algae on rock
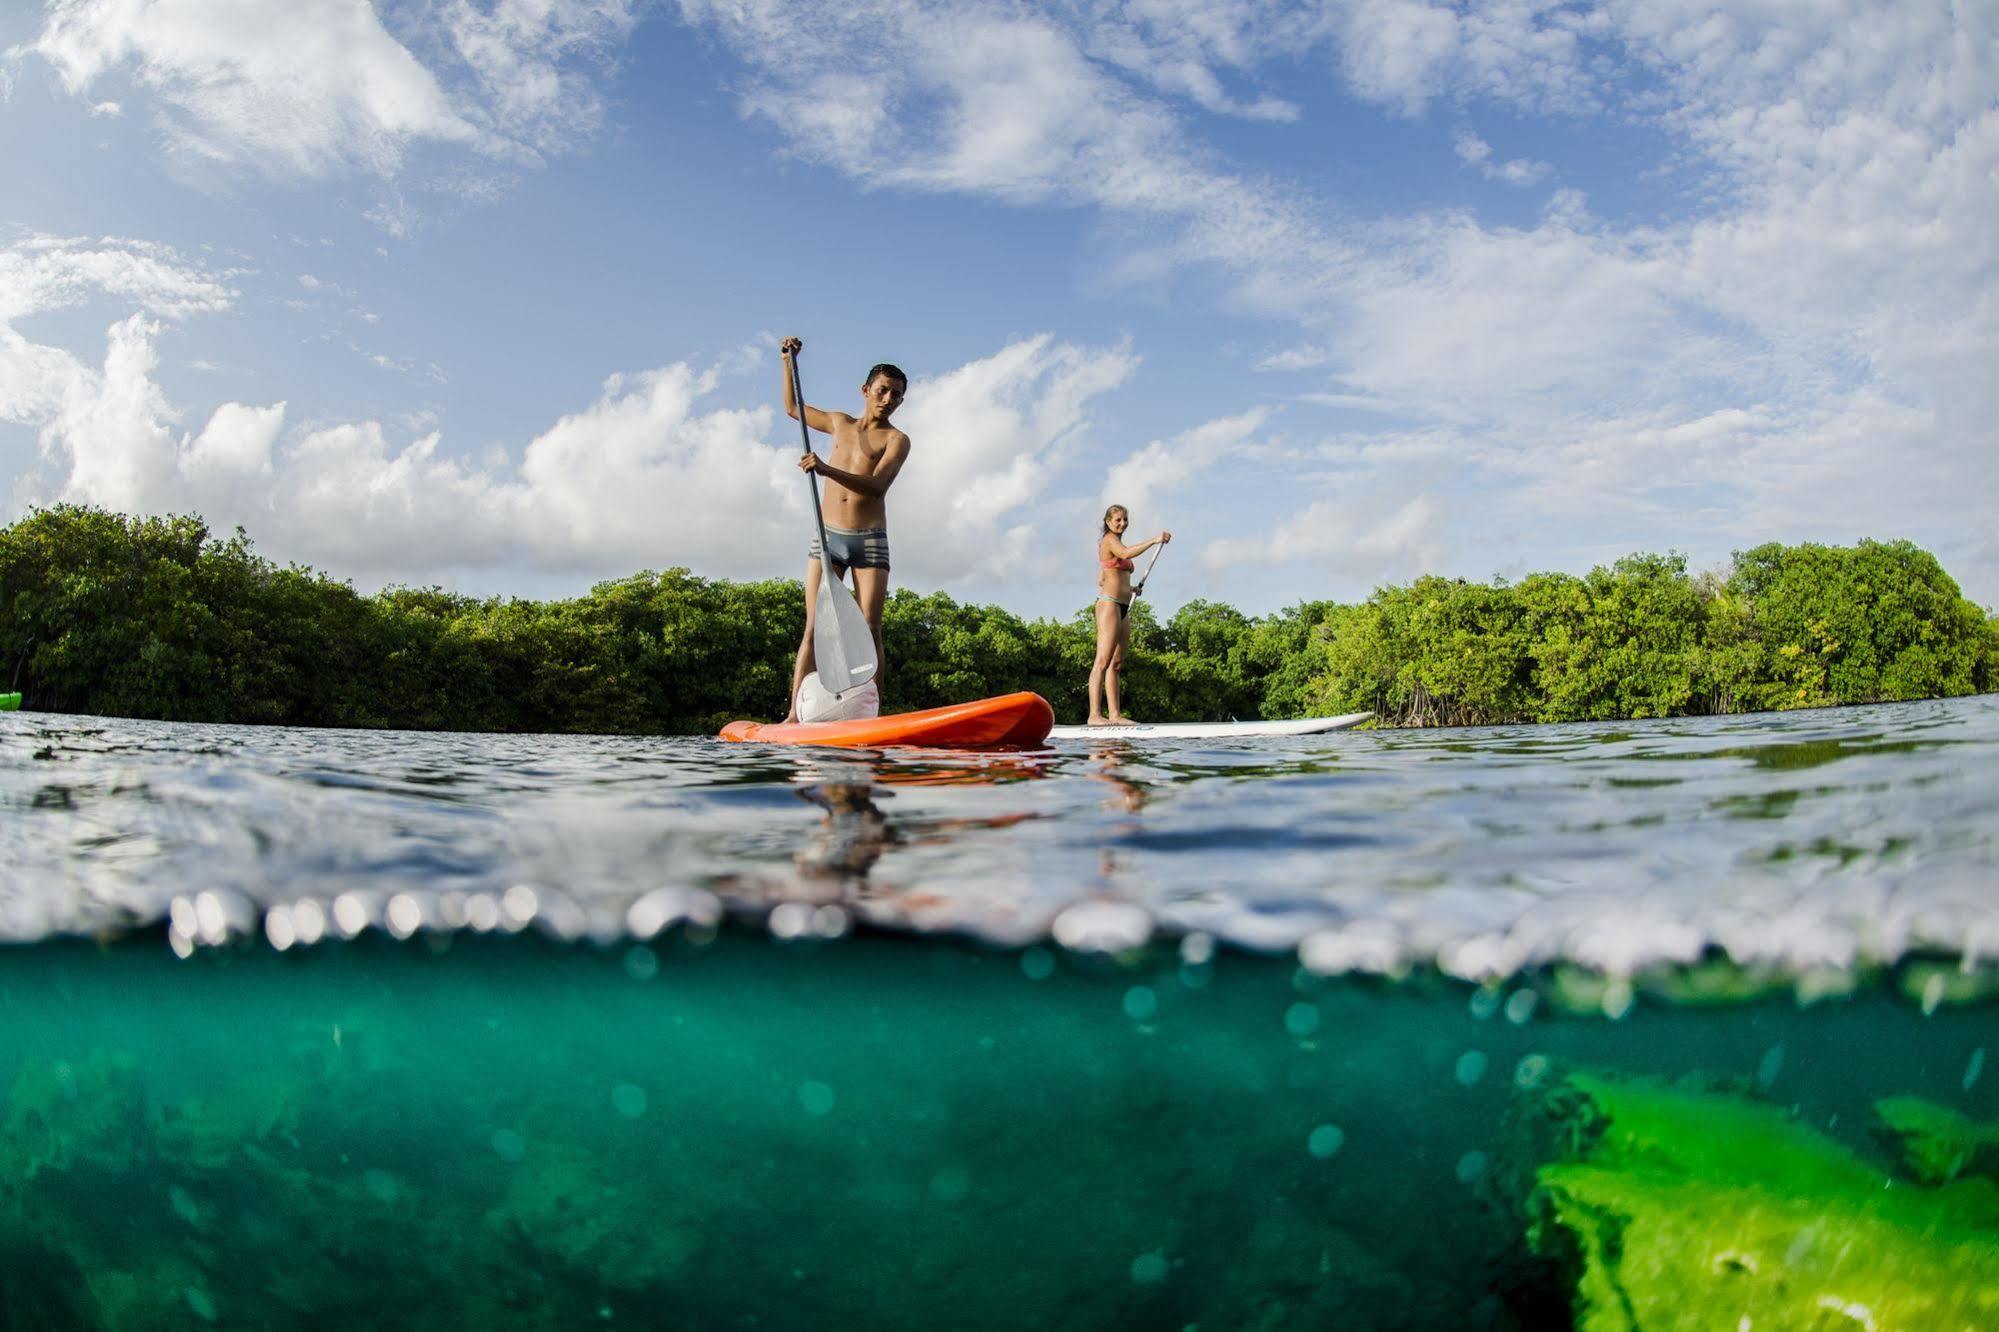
(1937,1144)
(1683,1208)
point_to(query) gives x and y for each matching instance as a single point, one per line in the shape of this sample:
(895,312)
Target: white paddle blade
(841,642)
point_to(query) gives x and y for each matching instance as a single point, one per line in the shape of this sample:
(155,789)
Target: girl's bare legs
(1107,638)
(1115,672)
(1113,632)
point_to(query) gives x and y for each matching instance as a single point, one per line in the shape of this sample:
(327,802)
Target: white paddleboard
(1235,730)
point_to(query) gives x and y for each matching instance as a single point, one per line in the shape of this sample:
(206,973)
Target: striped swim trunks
(854,550)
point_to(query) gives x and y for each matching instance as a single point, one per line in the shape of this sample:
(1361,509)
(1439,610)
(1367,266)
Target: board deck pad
(1236,730)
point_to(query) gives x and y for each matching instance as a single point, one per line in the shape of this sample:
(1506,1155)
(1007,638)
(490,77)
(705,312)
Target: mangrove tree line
(158,618)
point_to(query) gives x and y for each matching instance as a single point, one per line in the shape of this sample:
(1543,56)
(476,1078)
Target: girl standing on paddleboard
(1115,562)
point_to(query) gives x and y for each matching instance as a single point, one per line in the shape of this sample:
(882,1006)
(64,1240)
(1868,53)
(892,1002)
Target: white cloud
(106,109)
(1403,54)
(42,272)
(1847,159)
(314,87)
(1163,467)
(1003,103)
(305,87)
(535,62)
(1476,152)
(1347,539)
(1308,357)
(653,473)
(985,442)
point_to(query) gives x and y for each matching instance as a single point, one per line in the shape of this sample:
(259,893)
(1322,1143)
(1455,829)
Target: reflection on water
(1791,844)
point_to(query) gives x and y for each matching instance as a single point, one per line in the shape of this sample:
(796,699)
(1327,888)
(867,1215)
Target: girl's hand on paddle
(809,463)
(790,347)
(1165,537)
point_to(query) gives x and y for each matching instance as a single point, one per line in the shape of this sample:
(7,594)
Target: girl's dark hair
(1115,508)
(893,372)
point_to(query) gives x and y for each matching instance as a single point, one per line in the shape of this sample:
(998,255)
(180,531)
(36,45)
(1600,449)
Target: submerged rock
(1936,1144)
(1646,1207)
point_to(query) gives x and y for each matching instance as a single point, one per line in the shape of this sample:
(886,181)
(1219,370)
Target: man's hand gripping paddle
(843,647)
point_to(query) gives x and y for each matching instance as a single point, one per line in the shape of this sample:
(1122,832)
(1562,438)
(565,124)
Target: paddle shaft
(811,478)
(1139,586)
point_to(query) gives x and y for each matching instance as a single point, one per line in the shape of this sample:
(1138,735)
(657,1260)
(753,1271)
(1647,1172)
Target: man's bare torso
(857,450)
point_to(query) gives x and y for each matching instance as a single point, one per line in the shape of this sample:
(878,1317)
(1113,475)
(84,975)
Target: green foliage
(1789,627)
(155,617)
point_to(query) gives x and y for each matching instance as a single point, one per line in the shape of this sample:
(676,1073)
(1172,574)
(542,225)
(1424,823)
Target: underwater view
(1649,1025)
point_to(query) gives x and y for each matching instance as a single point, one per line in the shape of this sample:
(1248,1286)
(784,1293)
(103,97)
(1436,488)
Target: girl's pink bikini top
(1125,566)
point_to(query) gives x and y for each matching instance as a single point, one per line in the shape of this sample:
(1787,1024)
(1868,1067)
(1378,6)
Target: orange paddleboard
(1010,720)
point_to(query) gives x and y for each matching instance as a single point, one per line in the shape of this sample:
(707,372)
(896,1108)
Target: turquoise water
(672,1034)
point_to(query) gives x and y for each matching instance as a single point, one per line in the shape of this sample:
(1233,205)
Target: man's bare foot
(1110,721)
(791,719)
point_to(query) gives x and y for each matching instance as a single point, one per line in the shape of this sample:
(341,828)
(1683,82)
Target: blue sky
(486,293)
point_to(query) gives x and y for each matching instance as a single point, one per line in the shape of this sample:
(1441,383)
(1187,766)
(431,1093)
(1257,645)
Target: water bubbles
(518,906)
(1141,1004)
(1484,1003)
(404,915)
(665,907)
(482,912)
(1520,1006)
(1325,1141)
(1530,1072)
(1102,927)
(1373,948)
(1470,1068)
(211,922)
(1618,997)
(817,1099)
(629,1100)
(1037,963)
(1301,1019)
(1471,1167)
(641,963)
(802,920)
(278,928)
(1149,1268)
(1973,1067)
(1769,1066)
(199,1302)
(207,918)
(563,918)
(790,920)
(1197,949)
(308,921)
(508,1145)
(350,915)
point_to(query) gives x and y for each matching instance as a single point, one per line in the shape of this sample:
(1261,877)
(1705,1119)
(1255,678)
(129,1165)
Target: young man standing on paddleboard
(867,453)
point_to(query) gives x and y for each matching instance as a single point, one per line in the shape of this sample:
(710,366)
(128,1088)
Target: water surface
(333,1029)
